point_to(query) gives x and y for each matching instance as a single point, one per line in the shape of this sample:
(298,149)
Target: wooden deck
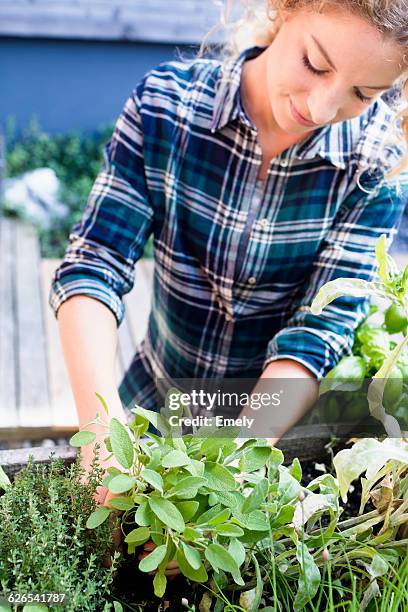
(35,395)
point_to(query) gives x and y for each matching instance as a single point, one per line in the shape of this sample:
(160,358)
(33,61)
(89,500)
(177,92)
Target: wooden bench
(35,396)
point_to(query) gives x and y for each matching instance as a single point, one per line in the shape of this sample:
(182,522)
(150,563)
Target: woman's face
(328,67)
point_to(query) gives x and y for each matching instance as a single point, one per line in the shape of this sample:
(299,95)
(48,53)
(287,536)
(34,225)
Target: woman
(261,179)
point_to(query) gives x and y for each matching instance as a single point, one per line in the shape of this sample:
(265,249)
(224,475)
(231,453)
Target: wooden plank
(181,21)
(14,460)
(33,401)
(138,301)
(64,415)
(8,340)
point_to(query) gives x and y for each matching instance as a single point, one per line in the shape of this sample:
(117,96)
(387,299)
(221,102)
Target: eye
(309,66)
(361,97)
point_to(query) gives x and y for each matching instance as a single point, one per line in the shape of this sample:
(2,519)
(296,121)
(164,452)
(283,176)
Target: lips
(300,118)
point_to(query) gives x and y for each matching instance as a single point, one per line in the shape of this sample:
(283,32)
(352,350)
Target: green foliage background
(75,157)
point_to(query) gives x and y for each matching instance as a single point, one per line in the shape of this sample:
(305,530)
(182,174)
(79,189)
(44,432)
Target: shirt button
(251,280)
(283,163)
(264,222)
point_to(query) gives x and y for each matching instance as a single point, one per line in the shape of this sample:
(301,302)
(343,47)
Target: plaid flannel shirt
(237,261)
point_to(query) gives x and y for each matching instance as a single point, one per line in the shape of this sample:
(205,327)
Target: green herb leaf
(220,558)
(192,556)
(256,497)
(188,509)
(121,443)
(175,458)
(309,579)
(159,584)
(219,477)
(153,560)
(229,529)
(255,458)
(121,483)
(198,575)
(82,438)
(153,478)
(187,487)
(138,536)
(121,503)
(167,513)
(98,517)
(237,550)
(144,515)
(4,479)
(103,402)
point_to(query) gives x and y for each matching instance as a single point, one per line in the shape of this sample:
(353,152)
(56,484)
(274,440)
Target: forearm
(296,400)
(88,333)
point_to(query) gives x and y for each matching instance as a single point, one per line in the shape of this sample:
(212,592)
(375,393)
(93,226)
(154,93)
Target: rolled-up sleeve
(348,250)
(116,223)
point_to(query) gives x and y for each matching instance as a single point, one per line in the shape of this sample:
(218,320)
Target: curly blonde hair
(256,22)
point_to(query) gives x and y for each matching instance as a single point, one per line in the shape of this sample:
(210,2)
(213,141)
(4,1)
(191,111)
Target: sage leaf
(97,517)
(192,555)
(159,584)
(167,512)
(220,558)
(138,536)
(4,479)
(153,560)
(197,575)
(256,497)
(219,477)
(153,478)
(121,483)
(175,458)
(229,529)
(121,443)
(82,438)
(121,503)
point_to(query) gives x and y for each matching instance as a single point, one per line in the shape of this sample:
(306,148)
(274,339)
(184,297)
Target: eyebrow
(328,60)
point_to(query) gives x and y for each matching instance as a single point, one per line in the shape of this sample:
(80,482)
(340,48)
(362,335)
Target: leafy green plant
(44,544)
(375,355)
(75,158)
(221,507)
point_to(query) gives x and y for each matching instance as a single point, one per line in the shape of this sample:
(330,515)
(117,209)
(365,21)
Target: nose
(323,106)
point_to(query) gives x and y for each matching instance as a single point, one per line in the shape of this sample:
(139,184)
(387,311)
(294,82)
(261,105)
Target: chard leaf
(121,443)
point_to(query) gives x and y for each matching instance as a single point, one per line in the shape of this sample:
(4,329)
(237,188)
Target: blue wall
(72,84)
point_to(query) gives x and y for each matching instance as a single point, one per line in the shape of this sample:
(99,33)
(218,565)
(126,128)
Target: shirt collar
(339,143)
